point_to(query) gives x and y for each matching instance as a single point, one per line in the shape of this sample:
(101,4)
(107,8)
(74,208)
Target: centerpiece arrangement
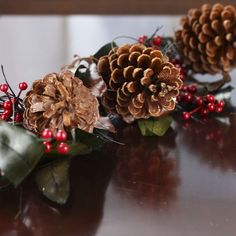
(150,82)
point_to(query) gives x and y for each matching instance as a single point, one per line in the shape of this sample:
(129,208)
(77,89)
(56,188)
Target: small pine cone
(207,40)
(141,82)
(60,101)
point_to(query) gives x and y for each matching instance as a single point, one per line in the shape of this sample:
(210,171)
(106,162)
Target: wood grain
(107,7)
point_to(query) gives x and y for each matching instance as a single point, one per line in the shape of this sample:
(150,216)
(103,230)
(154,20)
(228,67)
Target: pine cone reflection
(148,169)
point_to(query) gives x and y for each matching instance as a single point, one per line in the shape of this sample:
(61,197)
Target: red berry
(199,101)
(220,103)
(157,40)
(7,105)
(4,88)
(48,146)
(210,98)
(142,39)
(18,117)
(188,97)
(204,111)
(218,109)
(23,86)
(47,134)
(7,112)
(186,115)
(211,107)
(63,148)
(184,88)
(182,71)
(13,100)
(192,89)
(182,76)
(4,117)
(175,61)
(61,136)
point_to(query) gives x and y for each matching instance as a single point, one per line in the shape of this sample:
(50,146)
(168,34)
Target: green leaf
(53,180)
(20,151)
(79,149)
(93,141)
(76,149)
(153,127)
(83,143)
(82,76)
(103,51)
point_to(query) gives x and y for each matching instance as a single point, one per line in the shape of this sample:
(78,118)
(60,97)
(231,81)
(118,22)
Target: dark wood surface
(63,7)
(182,184)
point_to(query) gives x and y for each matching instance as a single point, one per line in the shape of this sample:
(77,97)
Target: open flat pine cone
(141,82)
(60,101)
(207,39)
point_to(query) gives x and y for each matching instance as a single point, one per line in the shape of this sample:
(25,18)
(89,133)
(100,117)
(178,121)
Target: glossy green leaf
(93,141)
(103,51)
(20,151)
(53,180)
(153,127)
(83,143)
(76,149)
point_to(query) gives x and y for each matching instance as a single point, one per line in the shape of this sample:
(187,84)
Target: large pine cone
(60,101)
(141,82)
(207,39)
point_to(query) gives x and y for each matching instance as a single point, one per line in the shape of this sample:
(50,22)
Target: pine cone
(60,101)
(141,82)
(207,39)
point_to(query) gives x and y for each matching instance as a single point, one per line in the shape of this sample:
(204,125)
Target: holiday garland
(149,82)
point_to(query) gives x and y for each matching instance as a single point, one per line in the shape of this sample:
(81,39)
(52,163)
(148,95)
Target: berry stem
(18,95)
(13,106)
(5,78)
(155,32)
(195,110)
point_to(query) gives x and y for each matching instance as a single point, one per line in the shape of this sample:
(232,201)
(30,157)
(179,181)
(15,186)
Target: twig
(5,78)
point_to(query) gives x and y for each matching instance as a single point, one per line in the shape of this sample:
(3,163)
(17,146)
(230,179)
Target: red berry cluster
(177,63)
(201,105)
(61,137)
(154,41)
(11,108)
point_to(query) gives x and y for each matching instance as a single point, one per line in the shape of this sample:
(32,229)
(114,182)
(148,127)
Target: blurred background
(31,46)
(40,36)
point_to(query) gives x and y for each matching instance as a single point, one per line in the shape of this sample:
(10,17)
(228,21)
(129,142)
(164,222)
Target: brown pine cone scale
(207,40)
(60,101)
(141,82)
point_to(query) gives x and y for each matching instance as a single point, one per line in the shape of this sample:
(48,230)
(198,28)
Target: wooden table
(183,184)
(110,7)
